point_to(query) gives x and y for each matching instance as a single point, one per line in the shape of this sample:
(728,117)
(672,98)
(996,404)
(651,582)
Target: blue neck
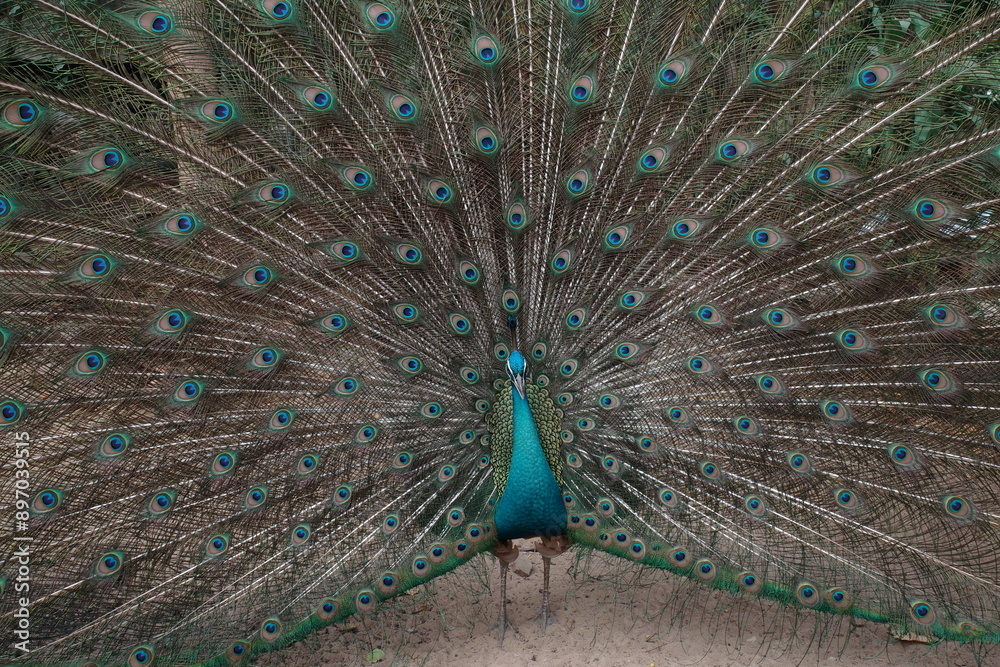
(531,504)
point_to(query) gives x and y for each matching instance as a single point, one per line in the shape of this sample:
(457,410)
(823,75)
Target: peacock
(304,303)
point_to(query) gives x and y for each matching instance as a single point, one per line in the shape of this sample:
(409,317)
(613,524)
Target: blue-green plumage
(531,502)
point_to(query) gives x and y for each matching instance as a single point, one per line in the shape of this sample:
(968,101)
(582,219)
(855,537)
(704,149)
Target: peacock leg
(506,552)
(549,547)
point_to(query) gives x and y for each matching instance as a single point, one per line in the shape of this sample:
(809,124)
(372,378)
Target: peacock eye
(874,77)
(578,182)
(217,111)
(486,50)
(769,71)
(827,175)
(404,108)
(734,149)
(486,140)
(581,89)
(673,72)
(517,217)
(652,159)
(274,193)
(561,261)
(107,159)
(358,178)
(155,23)
(685,229)
(181,225)
(708,315)
(318,98)
(20,113)
(766,238)
(380,16)
(257,277)
(279,10)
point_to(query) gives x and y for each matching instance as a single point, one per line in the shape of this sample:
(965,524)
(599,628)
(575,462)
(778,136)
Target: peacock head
(517,367)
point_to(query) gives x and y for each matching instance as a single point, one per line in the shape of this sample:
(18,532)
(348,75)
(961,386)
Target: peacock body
(305,303)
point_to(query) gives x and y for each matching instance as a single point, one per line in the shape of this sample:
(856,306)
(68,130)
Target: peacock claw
(545,617)
(500,629)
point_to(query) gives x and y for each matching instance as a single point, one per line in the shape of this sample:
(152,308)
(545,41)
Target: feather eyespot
(406,313)
(510,301)
(847,499)
(439,192)
(561,261)
(669,498)
(734,149)
(568,367)
(408,254)
(402,461)
(404,108)
(96,267)
(486,140)
(585,424)
(270,630)
(342,494)
(652,160)
(807,594)
(5,207)
(113,445)
(835,411)
(799,462)
(20,113)
(626,350)
(827,175)
(838,598)
(943,316)
(501,351)
(678,416)
(141,656)
(279,10)
(255,497)
(181,225)
(938,381)
(854,341)
(780,319)
(482,405)
(274,193)
(161,503)
(237,650)
(539,351)
(347,386)
(460,324)
(89,363)
(517,217)
(923,613)
(328,609)
(155,23)
(578,183)
(747,426)
(710,470)
(281,419)
(930,210)
(617,238)
(431,410)
(264,358)
(257,277)
(705,569)
(699,365)
(108,159)
(223,463)
(749,582)
(365,600)
(300,534)
(708,315)
(581,90)
(853,266)
(685,229)
(874,77)
(469,273)
(673,72)
(578,6)
(766,238)
(608,401)
(631,300)
(217,111)
(380,16)
(646,443)
(486,50)
(217,545)
(755,505)
(770,385)
(769,71)
(188,391)
(307,465)
(903,457)
(958,507)
(334,323)
(358,178)
(46,500)
(320,99)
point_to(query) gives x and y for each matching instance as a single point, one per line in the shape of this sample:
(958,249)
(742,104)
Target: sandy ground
(610,613)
